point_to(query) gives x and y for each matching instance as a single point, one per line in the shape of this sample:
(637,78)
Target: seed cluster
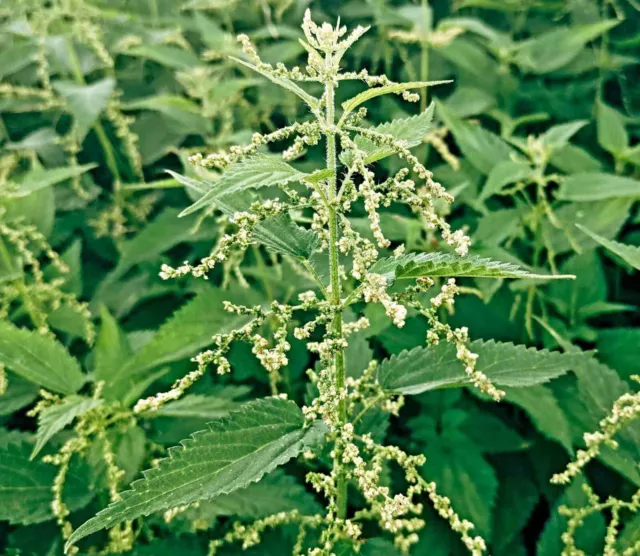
(340,402)
(625,409)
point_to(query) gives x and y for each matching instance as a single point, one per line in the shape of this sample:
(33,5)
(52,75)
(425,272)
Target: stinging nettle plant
(329,430)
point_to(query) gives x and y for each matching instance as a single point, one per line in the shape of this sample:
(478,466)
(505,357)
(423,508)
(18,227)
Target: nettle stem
(336,292)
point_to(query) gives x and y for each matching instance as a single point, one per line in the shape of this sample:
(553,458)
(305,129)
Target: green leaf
(280,233)
(204,407)
(612,135)
(167,55)
(617,347)
(429,368)
(586,400)
(469,101)
(572,159)
(589,288)
(504,173)
(282,82)
(183,335)
(277,492)
(185,115)
(85,102)
(112,348)
(26,485)
(590,534)
(256,171)
(483,149)
(15,57)
(630,254)
(161,234)
(39,178)
(556,48)
(58,416)
(518,495)
(235,452)
(630,535)
(596,186)
(40,359)
(544,411)
(411,131)
(19,394)
(557,137)
(39,141)
(491,434)
(374,92)
(605,218)
(466,478)
(416,265)
(599,387)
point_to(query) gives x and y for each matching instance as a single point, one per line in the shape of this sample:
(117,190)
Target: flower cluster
(625,409)
(23,246)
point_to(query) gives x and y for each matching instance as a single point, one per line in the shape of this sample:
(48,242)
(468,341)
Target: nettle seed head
(331,195)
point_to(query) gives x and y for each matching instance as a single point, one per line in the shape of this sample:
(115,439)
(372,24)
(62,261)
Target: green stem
(309,267)
(424,74)
(107,148)
(336,291)
(424,59)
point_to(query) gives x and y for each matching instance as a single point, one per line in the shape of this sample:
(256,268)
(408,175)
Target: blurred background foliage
(537,132)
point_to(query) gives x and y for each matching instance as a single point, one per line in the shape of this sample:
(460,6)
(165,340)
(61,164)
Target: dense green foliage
(534,130)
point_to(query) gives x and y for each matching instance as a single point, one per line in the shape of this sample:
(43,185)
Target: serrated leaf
(604,217)
(164,232)
(630,535)
(552,50)
(411,131)
(612,135)
(26,486)
(277,492)
(39,359)
(557,136)
(39,178)
(586,400)
(235,452)
(184,114)
(165,54)
(85,102)
(416,265)
(518,495)
(19,394)
(505,364)
(15,57)
(545,412)
(282,82)
(628,253)
(256,171)
(58,416)
(112,348)
(490,434)
(598,388)
(618,348)
(504,173)
(590,534)
(596,186)
(204,407)
(466,478)
(183,335)
(280,233)
(396,88)
(481,148)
